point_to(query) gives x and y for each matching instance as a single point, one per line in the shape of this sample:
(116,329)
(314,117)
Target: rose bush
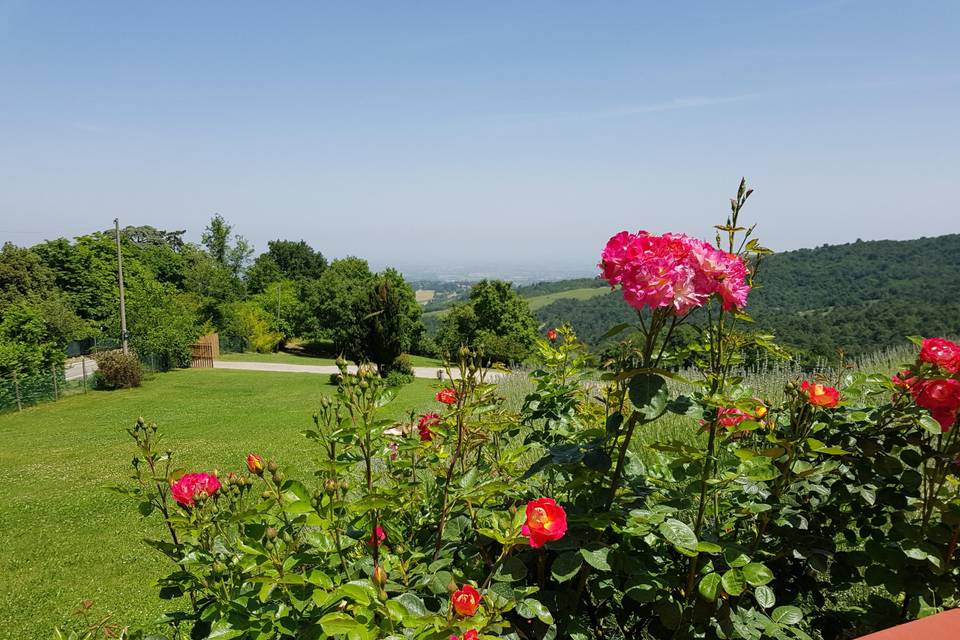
(830,512)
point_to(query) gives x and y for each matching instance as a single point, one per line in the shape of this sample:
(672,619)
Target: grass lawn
(65,538)
(290,358)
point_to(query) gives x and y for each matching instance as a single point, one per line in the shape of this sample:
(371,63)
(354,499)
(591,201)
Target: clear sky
(417,133)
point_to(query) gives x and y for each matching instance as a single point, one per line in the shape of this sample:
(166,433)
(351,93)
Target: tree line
(66,290)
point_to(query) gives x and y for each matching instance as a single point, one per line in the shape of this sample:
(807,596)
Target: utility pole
(123,306)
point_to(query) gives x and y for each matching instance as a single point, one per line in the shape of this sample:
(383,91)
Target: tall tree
(216,238)
(338,300)
(392,319)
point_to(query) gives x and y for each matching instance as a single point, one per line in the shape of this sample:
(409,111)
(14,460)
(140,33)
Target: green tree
(392,319)
(337,302)
(162,322)
(296,259)
(495,319)
(216,239)
(22,275)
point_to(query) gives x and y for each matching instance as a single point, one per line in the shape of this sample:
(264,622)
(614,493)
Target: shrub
(830,513)
(398,378)
(116,370)
(403,363)
(335,379)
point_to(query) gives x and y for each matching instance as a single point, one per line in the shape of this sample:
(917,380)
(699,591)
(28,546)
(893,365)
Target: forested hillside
(859,296)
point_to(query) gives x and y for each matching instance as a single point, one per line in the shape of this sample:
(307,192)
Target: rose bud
(255,464)
(379,576)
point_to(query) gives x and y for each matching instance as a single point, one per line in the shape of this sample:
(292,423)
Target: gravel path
(419,372)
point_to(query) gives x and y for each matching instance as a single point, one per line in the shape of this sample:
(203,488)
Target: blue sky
(480,133)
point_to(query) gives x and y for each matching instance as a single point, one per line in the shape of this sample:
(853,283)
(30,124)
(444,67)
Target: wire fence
(19,391)
(76,376)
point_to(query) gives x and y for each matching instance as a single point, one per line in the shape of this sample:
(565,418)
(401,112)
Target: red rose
(465,601)
(255,464)
(820,395)
(552,335)
(546,521)
(941,352)
(192,486)
(447,396)
(377,537)
(426,421)
(469,635)
(941,397)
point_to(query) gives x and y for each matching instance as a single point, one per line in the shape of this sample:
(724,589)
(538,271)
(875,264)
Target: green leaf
(566,566)
(710,586)
(413,604)
(708,547)
(765,597)
(733,582)
(735,557)
(511,570)
(648,393)
(787,615)
(930,425)
(336,623)
(757,574)
(530,608)
(678,534)
(597,558)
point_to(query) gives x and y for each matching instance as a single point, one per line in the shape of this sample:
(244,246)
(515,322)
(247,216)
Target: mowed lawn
(283,357)
(65,538)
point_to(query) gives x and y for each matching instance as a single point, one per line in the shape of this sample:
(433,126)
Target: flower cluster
(820,395)
(673,271)
(192,486)
(939,396)
(942,353)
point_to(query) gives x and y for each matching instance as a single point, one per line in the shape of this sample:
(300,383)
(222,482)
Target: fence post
(83,372)
(53,373)
(16,389)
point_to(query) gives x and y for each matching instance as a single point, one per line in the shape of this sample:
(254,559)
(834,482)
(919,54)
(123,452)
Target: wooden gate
(201,356)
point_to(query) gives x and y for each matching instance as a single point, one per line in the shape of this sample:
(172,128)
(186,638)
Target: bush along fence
(828,513)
